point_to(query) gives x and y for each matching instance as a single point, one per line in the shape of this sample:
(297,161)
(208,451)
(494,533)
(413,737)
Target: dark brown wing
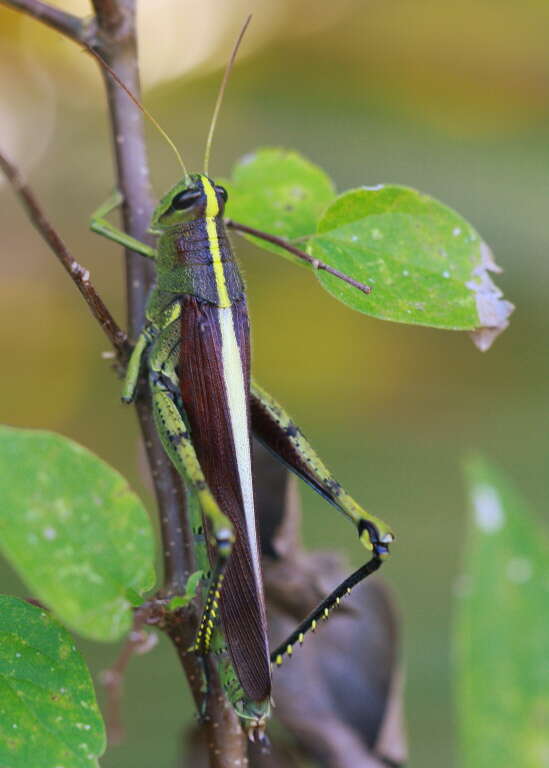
(205,402)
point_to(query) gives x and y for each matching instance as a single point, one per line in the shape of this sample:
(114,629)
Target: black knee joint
(378,546)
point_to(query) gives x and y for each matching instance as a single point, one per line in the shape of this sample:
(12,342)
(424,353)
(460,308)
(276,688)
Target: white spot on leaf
(62,509)
(489,515)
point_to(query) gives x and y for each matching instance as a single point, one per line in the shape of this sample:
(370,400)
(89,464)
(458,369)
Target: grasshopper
(195,349)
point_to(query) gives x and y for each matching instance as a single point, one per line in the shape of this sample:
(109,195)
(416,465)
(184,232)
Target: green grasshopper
(195,348)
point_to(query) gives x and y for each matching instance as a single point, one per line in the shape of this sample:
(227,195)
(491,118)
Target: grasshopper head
(194,197)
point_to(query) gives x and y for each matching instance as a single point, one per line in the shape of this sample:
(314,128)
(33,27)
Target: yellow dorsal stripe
(212,210)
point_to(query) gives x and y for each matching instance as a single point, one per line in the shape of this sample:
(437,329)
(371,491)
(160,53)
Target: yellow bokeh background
(450,98)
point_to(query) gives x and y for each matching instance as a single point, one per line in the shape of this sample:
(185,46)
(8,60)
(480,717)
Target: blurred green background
(453,100)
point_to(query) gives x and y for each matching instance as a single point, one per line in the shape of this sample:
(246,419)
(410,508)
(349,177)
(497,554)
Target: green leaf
(502,629)
(73,530)
(48,713)
(279,192)
(426,265)
(180,601)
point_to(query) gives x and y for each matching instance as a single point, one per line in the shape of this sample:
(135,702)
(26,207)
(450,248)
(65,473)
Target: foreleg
(100,225)
(135,364)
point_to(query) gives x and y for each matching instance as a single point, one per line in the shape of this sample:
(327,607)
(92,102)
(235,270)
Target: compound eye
(223,192)
(185,199)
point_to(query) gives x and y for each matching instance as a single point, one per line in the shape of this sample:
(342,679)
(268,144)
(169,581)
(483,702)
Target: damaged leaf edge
(493,310)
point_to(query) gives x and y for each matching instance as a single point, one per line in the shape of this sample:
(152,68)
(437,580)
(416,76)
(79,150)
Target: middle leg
(177,443)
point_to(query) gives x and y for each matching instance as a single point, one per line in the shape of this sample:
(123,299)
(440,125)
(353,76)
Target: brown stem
(223,734)
(133,181)
(282,243)
(170,497)
(78,274)
(226,746)
(110,14)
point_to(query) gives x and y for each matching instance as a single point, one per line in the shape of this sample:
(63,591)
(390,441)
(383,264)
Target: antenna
(138,104)
(217,107)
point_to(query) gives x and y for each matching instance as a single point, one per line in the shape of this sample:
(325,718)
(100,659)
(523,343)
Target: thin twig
(137,642)
(282,243)
(78,274)
(66,23)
